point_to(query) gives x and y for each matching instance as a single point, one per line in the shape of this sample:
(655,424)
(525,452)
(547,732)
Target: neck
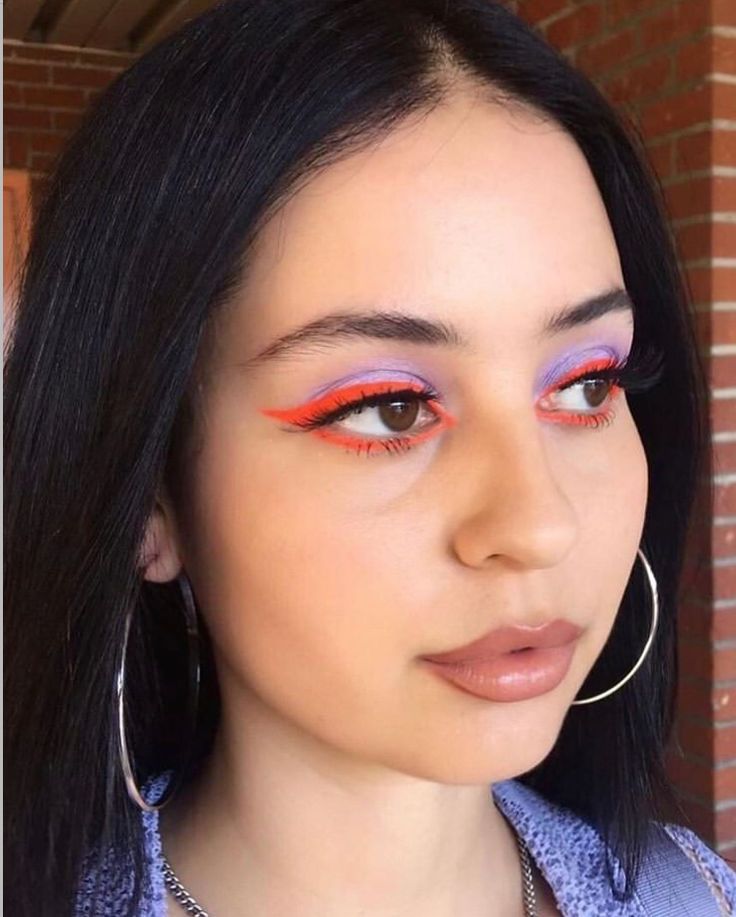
(276,824)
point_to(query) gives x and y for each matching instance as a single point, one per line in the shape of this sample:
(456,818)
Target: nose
(516,509)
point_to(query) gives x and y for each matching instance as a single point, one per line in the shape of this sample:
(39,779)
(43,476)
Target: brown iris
(399,415)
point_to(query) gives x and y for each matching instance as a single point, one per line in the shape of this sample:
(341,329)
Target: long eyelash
(425,393)
(638,372)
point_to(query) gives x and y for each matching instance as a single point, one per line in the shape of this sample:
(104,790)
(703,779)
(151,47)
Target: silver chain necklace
(191,906)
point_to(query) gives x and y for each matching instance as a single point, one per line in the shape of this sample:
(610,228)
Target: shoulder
(574,859)
(567,850)
(715,870)
(106,885)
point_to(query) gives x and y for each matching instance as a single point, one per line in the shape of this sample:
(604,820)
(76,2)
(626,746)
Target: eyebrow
(400,326)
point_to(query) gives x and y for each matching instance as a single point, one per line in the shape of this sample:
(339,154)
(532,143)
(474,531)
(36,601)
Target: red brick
(600,56)
(642,80)
(724,54)
(16,150)
(694,777)
(704,325)
(27,117)
(677,111)
(715,240)
(724,459)
(725,782)
(696,656)
(675,22)
(694,620)
(698,778)
(724,100)
(723,418)
(701,739)
(695,737)
(661,158)
(724,239)
(47,143)
(723,370)
(700,282)
(625,9)
(82,76)
(724,585)
(694,151)
(723,327)
(67,120)
(723,12)
(724,499)
(724,284)
(579,24)
(11,94)
(723,193)
(724,147)
(726,824)
(695,59)
(699,698)
(724,537)
(724,669)
(115,61)
(31,52)
(42,162)
(534,11)
(53,97)
(17,72)
(689,198)
(694,240)
(698,817)
(724,628)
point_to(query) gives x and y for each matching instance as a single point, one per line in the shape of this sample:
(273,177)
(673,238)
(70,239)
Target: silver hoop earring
(650,639)
(193,646)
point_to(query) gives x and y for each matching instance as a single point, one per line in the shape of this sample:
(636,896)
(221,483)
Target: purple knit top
(568,851)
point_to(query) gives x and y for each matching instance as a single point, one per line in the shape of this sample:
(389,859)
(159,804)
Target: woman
(411,233)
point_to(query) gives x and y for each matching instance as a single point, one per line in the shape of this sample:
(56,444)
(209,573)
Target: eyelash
(636,373)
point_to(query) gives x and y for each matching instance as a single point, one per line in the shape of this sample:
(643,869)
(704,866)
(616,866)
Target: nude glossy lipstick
(510,663)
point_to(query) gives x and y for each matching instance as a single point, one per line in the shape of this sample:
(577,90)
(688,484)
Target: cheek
(300,589)
(610,483)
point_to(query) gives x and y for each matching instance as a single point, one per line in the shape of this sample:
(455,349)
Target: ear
(159,558)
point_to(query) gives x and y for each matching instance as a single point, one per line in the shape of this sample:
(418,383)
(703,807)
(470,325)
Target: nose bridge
(518,508)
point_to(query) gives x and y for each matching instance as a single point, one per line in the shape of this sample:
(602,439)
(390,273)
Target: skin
(346,778)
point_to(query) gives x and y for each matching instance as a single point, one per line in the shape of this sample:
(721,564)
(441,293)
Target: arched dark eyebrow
(330,330)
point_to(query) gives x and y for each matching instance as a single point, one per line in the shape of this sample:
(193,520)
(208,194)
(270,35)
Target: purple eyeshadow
(567,361)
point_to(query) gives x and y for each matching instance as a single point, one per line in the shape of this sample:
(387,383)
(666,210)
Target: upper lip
(505,639)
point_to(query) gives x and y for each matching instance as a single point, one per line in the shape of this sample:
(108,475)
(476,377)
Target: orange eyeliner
(342,400)
(318,417)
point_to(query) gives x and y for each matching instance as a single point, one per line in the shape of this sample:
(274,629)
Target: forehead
(473,211)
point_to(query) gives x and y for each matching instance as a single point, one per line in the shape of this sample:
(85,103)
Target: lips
(509,639)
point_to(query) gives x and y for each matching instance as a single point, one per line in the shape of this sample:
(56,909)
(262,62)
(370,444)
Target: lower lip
(512,676)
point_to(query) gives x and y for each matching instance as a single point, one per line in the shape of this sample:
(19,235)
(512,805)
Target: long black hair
(141,237)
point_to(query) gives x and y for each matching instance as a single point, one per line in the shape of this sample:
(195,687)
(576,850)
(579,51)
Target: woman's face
(325,563)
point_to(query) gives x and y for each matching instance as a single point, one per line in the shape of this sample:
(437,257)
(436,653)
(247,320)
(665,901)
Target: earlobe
(159,559)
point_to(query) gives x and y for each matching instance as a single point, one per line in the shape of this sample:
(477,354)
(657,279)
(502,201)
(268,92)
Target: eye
(578,396)
(393,413)
(369,416)
(586,395)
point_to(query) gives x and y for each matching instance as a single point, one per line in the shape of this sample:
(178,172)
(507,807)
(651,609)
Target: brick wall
(46,89)
(670,66)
